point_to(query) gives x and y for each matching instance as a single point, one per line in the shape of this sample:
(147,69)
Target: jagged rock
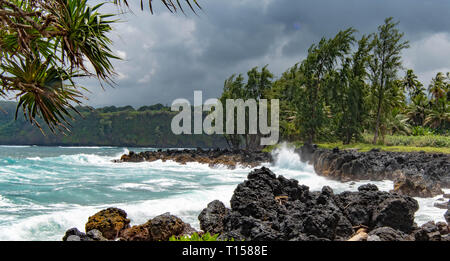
(75,235)
(163,227)
(110,222)
(136,233)
(212,157)
(96,235)
(73,238)
(415,186)
(397,213)
(442,205)
(426,173)
(267,208)
(443,228)
(447,216)
(368,187)
(387,234)
(431,232)
(211,218)
(160,228)
(306,152)
(373,208)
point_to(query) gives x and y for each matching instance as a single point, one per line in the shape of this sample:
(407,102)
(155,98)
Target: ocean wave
(197,184)
(4,202)
(15,146)
(87,147)
(52,226)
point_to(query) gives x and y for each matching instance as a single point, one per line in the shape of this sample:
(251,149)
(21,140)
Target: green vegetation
(258,83)
(110,126)
(351,92)
(363,147)
(396,143)
(197,237)
(46,45)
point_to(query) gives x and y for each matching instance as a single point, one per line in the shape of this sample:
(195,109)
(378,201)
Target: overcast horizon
(168,56)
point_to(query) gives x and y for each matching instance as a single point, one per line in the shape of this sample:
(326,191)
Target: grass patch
(363,147)
(435,141)
(395,143)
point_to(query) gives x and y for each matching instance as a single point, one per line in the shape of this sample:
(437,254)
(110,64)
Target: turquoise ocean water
(46,190)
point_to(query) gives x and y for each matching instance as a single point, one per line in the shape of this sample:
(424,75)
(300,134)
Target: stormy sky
(168,56)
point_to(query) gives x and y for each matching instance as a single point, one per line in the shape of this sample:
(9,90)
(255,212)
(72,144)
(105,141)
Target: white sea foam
(85,147)
(34,158)
(4,202)
(15,146)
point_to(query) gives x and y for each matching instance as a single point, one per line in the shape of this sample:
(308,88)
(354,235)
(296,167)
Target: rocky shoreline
(270,208)
(228,158)
(414,174)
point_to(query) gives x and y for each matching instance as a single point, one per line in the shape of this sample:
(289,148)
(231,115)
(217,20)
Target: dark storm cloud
(169,56)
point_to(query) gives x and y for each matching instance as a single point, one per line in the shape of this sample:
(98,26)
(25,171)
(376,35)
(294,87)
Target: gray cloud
(169,56)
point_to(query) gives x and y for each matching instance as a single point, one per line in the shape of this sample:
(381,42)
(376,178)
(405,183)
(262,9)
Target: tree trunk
(377,125)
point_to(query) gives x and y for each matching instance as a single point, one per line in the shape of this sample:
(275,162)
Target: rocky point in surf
(229,158)
(416,174)
(270,208)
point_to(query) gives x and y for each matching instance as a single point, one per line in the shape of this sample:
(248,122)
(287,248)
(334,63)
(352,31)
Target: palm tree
(412,84)
(439,119)
(46,45)
(438,87)
(171,5)
(418,109)
(397,123)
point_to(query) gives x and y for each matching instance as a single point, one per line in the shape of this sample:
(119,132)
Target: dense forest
(348,88)
(149,126)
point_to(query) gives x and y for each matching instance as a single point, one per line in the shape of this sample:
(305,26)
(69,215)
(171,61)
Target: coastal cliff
(414,174)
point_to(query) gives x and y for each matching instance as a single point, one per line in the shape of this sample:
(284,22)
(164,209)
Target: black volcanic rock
(388,234)
(270,208)
(74,234)
(212,157)
(415,174)
(211,218)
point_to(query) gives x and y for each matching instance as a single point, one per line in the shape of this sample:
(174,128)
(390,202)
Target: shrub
(196,237)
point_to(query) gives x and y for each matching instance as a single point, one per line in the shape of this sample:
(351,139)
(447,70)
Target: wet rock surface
(414,174)
(211,218)
(160,228)
(388,234)
(110,222)
(270,208)
(211,157)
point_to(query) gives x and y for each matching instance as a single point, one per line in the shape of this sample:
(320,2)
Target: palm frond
(172,5)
